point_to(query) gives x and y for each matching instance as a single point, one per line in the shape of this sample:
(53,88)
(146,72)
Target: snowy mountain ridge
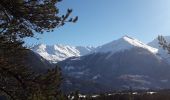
(59,52)
(124,43)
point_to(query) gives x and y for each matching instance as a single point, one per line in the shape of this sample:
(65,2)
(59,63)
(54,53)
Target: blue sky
(102,21)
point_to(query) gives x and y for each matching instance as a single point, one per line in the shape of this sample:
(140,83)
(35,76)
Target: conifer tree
(20,19)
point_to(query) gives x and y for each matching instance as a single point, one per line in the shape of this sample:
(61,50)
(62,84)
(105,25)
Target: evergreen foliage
(20,19)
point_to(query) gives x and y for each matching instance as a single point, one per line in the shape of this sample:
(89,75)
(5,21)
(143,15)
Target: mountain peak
(124,43)
(59,52)
(126,36)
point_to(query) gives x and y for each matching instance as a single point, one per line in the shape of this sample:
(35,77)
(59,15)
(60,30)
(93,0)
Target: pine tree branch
(7,93)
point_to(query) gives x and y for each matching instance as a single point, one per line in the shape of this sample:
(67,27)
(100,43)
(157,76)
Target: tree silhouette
(163,43)
(20,19)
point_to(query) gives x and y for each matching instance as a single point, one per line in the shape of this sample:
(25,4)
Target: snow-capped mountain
(119,64)
(124,43)
(56,53)
(116,65)
(161,52)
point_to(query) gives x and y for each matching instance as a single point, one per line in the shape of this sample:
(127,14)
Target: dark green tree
(20,19)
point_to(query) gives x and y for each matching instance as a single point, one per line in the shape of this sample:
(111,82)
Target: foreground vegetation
(20,19)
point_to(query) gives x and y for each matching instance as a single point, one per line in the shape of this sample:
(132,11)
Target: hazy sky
(102,21)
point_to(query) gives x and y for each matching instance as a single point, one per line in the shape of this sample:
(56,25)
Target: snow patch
(96,77)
